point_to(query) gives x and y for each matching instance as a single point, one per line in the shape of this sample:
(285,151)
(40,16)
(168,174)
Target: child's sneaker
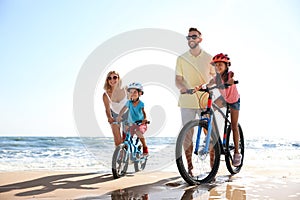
(237,157)
(145,151)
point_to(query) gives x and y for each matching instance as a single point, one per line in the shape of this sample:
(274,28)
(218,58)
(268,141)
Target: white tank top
(116,107)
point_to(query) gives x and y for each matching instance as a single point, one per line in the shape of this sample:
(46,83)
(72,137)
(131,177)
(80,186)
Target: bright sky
(44,44)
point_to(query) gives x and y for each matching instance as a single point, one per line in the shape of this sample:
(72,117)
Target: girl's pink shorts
(142,128)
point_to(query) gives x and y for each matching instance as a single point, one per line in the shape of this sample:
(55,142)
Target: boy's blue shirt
(135,112)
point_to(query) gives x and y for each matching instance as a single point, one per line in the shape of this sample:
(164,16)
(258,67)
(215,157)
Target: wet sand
(253,182)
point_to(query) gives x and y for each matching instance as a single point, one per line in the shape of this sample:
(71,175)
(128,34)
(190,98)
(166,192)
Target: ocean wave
(23,153)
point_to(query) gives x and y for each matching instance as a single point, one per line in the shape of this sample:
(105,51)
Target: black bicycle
(199,145)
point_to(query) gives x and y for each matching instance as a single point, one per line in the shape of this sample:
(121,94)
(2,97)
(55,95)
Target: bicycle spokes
(197,159)
(120,161)
(230,149)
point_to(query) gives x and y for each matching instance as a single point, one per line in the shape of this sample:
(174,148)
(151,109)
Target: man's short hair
(194,29)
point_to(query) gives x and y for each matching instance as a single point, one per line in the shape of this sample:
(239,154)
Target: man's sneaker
(145,151)
(237,157)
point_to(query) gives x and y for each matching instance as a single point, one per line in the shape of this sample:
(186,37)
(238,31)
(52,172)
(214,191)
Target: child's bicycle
(200,139)
(127,153)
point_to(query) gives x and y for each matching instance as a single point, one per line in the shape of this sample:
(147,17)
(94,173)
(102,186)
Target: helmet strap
(133,101)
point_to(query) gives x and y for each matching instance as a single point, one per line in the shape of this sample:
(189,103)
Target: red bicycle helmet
(221,58)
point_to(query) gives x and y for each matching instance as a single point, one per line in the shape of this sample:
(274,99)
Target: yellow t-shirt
(195,71)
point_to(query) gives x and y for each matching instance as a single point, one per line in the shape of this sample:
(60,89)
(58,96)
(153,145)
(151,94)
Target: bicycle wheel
(120,161)
(197,167)
(140,164)
(229,150)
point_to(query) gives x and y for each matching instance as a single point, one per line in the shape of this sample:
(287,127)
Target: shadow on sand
(50,183)
(170,188)
(173,187)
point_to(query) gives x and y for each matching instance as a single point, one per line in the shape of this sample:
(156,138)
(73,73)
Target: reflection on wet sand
(176,187)
(235,192)
(211,191)
(125,194)
(225,187)
(231,192)
(208,191)
(197,192)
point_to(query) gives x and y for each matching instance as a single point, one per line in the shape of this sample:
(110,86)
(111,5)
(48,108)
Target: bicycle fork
(209,127)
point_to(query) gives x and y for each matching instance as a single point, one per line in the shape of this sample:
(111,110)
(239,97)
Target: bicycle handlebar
(207,89)
(138,122)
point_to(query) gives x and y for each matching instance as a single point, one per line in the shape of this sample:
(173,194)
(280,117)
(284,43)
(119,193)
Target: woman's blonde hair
(106,86)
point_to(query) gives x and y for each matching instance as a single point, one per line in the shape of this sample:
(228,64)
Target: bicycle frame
(128,152)
(226,121)
(198,154)
(211,120)
(132,146)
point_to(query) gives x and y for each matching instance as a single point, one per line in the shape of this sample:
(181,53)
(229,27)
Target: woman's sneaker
(237,157)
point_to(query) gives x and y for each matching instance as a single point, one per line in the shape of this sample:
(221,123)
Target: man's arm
(180,84)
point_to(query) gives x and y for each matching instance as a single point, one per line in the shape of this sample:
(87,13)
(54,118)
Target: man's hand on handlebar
(183,90)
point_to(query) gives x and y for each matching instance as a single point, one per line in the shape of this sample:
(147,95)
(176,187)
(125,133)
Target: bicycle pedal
(145,156)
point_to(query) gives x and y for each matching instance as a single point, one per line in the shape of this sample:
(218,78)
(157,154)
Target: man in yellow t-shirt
(193,68)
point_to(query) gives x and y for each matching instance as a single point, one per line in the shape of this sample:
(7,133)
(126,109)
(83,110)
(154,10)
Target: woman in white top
(114,99)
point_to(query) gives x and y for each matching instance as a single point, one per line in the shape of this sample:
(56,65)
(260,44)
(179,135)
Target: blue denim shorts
(235,106)
(115,115)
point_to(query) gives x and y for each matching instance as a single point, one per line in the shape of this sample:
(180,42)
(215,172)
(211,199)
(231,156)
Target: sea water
(77,153)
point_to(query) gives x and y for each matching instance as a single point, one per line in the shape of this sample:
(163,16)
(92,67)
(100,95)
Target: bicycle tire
(140,164)
(120,161)
(203,172)
(229,150)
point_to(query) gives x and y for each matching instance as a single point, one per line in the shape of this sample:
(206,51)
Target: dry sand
(263,182)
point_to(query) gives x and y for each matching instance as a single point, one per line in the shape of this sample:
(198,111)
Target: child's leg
(140,133)
(235,129)
(143,141)
(141,137)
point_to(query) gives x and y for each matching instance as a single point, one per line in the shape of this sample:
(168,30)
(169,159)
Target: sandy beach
(253,182)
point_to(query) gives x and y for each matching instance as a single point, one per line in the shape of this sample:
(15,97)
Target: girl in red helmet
(229,95)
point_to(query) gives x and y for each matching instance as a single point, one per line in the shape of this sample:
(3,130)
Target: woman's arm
(119,118)
(110,119)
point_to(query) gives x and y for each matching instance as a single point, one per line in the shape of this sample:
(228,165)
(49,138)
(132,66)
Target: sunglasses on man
(192,37)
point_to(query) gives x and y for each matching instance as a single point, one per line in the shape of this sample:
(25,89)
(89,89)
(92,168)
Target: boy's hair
(195,29)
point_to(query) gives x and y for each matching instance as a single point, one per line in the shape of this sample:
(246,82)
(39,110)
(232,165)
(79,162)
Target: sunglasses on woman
(114,77)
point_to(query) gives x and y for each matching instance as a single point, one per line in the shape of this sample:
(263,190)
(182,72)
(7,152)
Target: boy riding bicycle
(136,113)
